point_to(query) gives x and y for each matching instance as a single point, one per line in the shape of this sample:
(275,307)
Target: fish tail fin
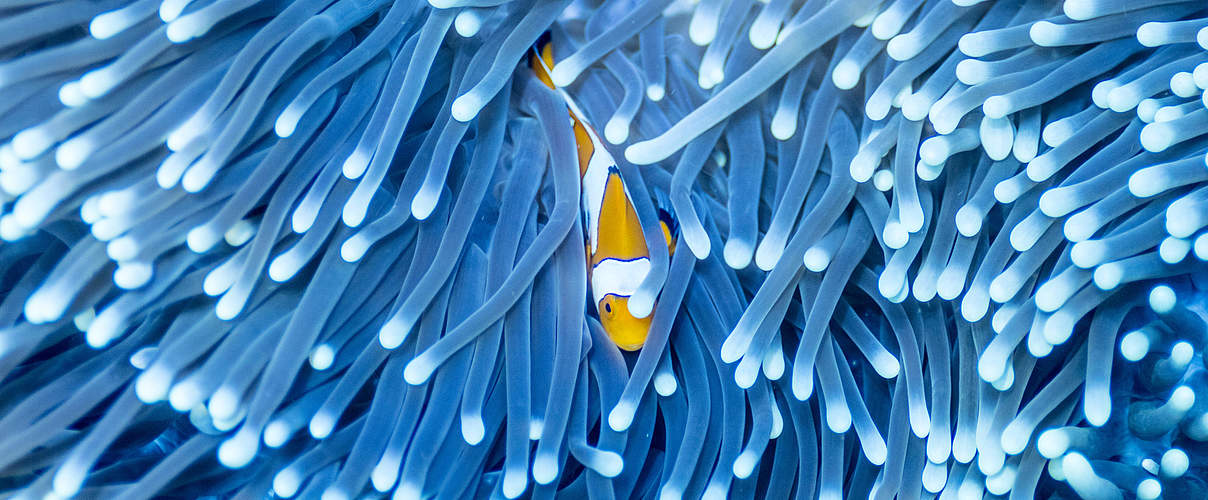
(542,59)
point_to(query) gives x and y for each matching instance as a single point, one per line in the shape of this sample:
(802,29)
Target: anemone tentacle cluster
(333,249)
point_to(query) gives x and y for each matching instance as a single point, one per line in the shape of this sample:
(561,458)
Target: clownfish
(617,252)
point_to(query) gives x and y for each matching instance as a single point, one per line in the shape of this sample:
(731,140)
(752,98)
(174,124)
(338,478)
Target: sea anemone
(334,249)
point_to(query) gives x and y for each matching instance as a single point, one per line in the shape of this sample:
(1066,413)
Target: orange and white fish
(618,255)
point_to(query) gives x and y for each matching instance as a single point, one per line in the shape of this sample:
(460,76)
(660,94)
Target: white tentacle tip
(418,371)
(621,417)
(466,107)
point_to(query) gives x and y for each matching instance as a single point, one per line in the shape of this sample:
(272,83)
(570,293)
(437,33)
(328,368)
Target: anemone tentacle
(948,248)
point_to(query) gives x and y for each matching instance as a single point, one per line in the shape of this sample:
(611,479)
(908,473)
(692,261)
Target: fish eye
(608,308)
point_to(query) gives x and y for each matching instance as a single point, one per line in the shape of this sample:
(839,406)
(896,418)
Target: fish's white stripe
(595,178)
(618,277)
(596,175)
(594,181)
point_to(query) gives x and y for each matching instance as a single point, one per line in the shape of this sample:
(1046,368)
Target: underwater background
(333,249)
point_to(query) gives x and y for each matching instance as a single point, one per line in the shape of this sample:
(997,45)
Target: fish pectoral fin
(668,237)
(667,222)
